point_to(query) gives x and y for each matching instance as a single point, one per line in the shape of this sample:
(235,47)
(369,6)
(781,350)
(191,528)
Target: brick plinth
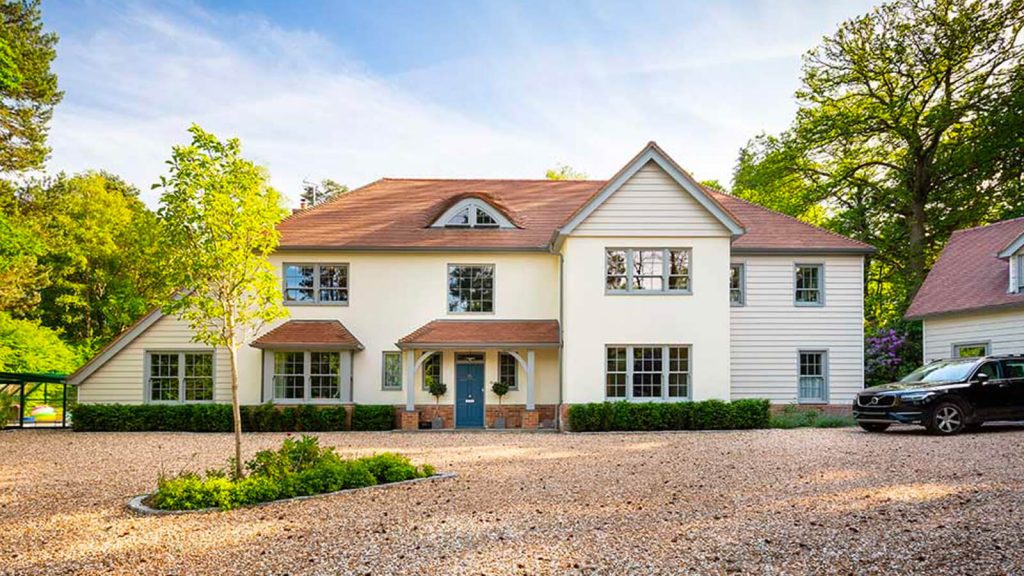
(410,420)
(531,419)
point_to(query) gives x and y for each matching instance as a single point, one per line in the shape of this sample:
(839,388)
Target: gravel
(759,502)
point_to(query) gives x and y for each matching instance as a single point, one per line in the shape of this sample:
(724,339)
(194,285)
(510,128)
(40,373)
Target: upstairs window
(316,283)
(471,288)
(647,270)
(809,285)
(472,213)
(1020,273)
(737,282)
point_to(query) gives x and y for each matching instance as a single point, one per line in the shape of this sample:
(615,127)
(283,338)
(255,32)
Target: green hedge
(217,418)
(299,468)
(703,415)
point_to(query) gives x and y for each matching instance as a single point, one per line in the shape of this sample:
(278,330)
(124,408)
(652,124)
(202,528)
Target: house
(972,302)
(647,287)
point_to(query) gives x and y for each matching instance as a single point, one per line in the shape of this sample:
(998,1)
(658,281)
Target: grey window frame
(316,301)
(147,388)
(307,367)
(954,348)
(504,358)
(384,370)
(666,372)
(742,266)
(494,288)
(433,356)
(825,384)
(666,271)
(821,284)
(1020,273)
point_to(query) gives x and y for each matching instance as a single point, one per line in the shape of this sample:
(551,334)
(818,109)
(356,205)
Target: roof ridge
(784,215)
(989,225)
(584,180)
(301,211)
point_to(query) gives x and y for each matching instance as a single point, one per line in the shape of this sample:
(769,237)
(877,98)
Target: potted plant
(436,389)
(500,389)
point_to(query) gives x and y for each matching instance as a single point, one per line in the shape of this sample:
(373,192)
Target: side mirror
(981,378)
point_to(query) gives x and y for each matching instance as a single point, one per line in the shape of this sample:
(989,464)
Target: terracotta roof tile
(485,332)
(397,213)
(968,274)
(299,333)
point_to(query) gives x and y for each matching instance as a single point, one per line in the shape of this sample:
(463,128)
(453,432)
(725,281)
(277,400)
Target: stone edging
(136,504)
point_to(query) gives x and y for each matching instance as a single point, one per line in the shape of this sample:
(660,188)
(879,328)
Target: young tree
(220,215)
(314,193)
(28,89)
(565,172)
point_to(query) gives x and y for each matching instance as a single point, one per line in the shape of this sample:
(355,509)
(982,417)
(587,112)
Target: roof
(969,274)
(116,345)
(448,333)
(308,333)
(396,214)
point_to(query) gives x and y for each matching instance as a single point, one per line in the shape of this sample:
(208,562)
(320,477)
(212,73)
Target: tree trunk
(919,185)
(236,412)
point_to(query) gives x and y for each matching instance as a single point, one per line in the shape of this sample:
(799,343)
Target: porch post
(410,380)
(530,365)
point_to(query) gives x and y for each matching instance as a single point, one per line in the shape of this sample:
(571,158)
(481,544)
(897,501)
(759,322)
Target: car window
(947,371)
(1013,368)
(990,369)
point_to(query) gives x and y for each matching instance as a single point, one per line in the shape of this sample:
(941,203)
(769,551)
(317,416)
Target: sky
(356,91)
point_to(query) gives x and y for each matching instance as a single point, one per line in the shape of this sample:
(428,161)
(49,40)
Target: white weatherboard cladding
(593,319)
(1003,330)
(651,204)
(121,380)
(769,330)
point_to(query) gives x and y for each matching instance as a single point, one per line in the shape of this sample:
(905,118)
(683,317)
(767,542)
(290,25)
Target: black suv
(947,396)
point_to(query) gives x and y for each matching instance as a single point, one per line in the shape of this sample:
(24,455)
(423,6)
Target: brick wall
(513,414)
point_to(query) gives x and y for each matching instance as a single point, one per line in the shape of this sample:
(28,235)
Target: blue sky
(359,90)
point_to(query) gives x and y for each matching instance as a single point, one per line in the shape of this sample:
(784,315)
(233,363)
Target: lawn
(773,501)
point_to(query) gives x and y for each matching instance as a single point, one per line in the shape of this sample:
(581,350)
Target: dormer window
(472,213)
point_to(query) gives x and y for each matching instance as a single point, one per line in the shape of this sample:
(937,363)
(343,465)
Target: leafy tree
(105,260)
(25,346)
(21,276)
(908,128)
(314,193)
(28,89)
(220,215)
(565,172)
(713,184)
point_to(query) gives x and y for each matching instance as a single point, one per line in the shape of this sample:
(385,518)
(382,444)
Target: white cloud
(140,76)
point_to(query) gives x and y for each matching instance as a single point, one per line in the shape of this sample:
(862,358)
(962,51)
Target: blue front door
(469,395)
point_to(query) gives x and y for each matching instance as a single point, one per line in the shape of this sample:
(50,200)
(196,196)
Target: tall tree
(314,193)
(565,172)
(908,128)
(221,214)
(28,88)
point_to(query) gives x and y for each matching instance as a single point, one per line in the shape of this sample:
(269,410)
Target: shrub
(795,417)
(703,415)
(217,418)
(300,467)
(368,417)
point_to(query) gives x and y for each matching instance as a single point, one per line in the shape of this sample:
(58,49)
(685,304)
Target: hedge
(703,415)
(217,418)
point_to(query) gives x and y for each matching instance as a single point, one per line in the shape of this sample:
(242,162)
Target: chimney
(302,206)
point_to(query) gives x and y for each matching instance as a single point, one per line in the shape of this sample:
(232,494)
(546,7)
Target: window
(644,270)
(392,371)
(471,288)
(813,384)
(316,283)
(508,370)
(431,369)
(970,350)
(809,285)
(472,213)
(737,284)
(1014,370)
(1020,273)
(307,376)
(180,377)
(647,372)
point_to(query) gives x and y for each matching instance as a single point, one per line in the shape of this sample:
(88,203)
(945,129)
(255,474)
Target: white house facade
(972,303)
(647,287)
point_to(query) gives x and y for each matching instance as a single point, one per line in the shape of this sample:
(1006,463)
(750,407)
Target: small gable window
(472,213)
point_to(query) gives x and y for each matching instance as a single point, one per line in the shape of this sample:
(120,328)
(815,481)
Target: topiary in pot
(500,389)
(436,389)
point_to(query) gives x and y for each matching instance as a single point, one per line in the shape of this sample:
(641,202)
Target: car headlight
(916,398)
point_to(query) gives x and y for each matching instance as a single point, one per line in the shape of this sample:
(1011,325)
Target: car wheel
(874,426)
(946,419)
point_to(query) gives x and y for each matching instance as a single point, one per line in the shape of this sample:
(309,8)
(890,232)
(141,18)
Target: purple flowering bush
(889,354)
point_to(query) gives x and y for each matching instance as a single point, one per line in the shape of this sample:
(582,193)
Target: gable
(651,203)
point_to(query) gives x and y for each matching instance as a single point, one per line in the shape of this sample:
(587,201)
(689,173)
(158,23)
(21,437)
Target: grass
(793,417)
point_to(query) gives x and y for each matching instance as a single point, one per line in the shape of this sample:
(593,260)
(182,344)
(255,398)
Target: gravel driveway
(765,502)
